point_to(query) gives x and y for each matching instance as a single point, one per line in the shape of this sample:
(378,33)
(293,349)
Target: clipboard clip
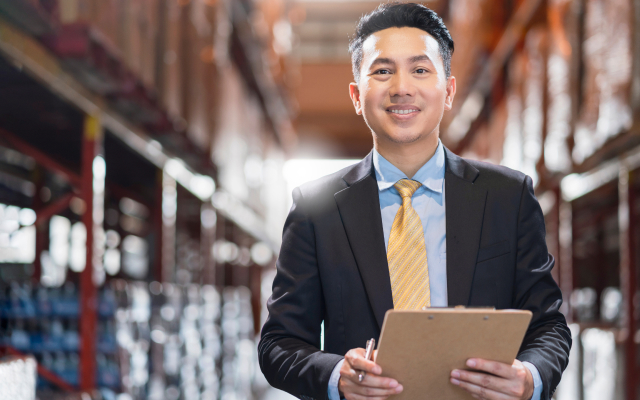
(425,308)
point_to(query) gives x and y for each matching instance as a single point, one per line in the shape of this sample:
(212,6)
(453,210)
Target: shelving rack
(558,99)
(101,123)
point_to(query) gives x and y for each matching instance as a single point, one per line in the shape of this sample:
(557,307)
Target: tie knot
(407,187)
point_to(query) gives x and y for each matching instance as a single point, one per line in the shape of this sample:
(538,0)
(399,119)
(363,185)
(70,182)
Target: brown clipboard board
(420,348)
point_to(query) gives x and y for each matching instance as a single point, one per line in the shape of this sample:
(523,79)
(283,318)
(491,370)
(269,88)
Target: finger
(481,392)
(514,387)
(355,396)
(492,367)
(357,352)
(480,379)
(376,381)
(370,380)
(352,387)
(357,361)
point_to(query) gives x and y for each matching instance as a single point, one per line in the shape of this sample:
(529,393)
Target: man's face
(403,90)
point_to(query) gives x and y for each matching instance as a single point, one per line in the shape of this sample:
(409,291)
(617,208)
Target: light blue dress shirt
(429,203)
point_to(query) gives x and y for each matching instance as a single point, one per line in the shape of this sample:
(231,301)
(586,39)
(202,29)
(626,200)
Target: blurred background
(148,149)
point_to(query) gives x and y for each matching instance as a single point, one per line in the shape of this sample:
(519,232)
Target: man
(352,238)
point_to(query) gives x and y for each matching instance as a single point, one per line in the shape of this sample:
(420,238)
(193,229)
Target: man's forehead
(394,39)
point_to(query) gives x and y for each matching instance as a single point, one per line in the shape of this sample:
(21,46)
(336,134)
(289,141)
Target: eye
(422,70)
(382,72)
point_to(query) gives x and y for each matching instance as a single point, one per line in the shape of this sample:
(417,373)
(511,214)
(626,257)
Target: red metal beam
(42,371)
(91,138)
(48,211)
(40,157)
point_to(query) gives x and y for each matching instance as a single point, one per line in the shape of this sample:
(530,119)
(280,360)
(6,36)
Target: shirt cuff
(334,393)
(537,381)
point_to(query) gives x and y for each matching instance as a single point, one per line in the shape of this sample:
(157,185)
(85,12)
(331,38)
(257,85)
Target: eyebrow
(422,57)
(382,61)
(414,59)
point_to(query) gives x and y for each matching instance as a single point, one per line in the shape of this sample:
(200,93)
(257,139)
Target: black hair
(399,15)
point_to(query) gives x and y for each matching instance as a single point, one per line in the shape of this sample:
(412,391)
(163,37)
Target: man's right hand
(372,387)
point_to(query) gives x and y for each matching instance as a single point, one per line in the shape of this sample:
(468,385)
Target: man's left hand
(501,382)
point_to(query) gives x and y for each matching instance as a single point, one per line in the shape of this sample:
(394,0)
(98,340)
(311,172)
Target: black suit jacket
(333,267)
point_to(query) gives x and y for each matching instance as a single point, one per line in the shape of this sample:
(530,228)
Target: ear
(354,93)
(451,93)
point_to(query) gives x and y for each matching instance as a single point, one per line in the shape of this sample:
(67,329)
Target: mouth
(403,110)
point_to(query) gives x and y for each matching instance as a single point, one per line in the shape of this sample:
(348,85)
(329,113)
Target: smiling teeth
(402,111)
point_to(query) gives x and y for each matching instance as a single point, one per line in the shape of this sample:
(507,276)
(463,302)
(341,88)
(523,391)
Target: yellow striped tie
(407,255)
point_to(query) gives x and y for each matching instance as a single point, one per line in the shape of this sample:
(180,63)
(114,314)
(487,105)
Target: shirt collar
(430,175)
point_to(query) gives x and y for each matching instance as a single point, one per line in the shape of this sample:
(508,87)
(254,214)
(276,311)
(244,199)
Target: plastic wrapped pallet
(198,62)
(171,91)
(559,112)
(149,30)
(601,358)
(137,40)
(607,58)
(18,377)
(524,108)
(105,16)
(101,14)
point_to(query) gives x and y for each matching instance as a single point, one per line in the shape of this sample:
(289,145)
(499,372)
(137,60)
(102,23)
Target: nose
(401,85)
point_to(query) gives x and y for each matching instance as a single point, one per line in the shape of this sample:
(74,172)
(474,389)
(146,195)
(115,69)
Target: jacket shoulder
(493,175)
(327,185)
(317,196)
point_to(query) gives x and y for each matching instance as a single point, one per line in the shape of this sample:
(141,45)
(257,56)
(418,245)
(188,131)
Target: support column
(41,228)
(169,209)
(553,226)
(158,227)
(256,295)
(91,141)
(209,219)
(628,279)
(565,232)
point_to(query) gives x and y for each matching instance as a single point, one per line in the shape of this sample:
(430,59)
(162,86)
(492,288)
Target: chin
(405,138)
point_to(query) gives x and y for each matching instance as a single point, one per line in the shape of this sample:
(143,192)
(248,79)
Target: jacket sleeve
(289,349)
(548,339)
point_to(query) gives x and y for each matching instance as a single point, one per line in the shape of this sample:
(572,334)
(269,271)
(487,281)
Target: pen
(367,355)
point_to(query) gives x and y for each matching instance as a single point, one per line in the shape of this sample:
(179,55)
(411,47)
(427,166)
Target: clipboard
(420,348)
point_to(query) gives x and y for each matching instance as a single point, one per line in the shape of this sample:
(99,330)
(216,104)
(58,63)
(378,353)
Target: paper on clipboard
(420,348)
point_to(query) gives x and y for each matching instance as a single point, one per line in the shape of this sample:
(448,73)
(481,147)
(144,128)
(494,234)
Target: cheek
(370,100)
(435,96)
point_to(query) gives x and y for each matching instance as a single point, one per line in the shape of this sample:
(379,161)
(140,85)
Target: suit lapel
(359,208)
(464,213)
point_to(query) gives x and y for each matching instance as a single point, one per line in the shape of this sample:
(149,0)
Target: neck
(408,157)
